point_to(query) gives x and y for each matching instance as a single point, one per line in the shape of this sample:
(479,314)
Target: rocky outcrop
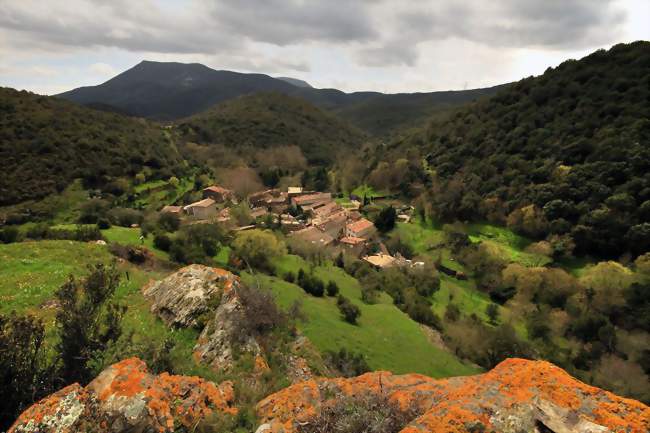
(127,398)
(516,396)
(201,296)
(181,298)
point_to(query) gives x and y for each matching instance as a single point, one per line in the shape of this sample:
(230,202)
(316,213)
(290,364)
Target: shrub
(370,412)
(169,222)
(289,277)
(347,363)
(258,248)
(162,242)
(386,219)
(125,217)
(92,210)
(349,311)
(103,223)
(9,235)
(262,313)
(332,289)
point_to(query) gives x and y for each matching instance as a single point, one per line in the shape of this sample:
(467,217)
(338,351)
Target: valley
(260,233)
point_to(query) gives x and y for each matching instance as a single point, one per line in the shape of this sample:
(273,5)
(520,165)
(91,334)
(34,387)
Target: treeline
(46,143)
(562,155)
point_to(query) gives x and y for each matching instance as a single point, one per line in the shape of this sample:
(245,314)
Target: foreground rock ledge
(127,398)
(516,396)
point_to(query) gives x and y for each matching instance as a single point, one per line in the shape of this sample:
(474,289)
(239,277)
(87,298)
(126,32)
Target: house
(176,210)
(258,212)
(362,228)
(313,236)
(204,209)
(308,199)
(323,211)
(334,225)
(294,191)
(354,246)
(218,194)
(290,223)
(279,204)
(381,261)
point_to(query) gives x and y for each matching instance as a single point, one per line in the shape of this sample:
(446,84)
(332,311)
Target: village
(312,217)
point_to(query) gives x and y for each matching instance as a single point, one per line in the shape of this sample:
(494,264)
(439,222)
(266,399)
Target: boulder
(516,396)
(127,398)
(181,298)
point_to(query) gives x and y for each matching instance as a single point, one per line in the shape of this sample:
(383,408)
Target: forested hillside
(268,120)
(46,142)
(565,155)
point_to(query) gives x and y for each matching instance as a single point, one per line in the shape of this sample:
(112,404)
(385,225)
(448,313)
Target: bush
(162,242)
(310,284)
(386,219)
(258,248)
(349,311)
(125,217)
(169,222)
(9,235)
(347,363)
(332,289)
(103,223)
(375,413)
(92,210)
(289,277)
(262,313)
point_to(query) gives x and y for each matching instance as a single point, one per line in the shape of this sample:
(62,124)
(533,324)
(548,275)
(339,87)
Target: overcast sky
(49,46)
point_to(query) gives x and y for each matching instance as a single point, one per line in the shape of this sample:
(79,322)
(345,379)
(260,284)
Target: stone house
(204,209)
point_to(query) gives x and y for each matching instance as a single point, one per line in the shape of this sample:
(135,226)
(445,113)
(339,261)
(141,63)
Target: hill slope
(267,120)
(168,91)
(574,142)
(46,142)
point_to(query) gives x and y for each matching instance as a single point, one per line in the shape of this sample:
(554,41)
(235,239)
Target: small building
(290,223)
(354,246)
(258,212)
(218,194)
(264,198)
(381,261)
(314,236)
(294,191)
(176,210)
(325,210)
(305,200)
(204,209)
(334,225)
(362,228)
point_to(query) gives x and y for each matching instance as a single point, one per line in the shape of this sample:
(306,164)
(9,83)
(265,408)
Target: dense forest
(564,155)
(268,120)
(45,143)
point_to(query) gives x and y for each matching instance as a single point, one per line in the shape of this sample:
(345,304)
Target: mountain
(563,155)
(170,91)
(296,82)
(46,142)
(266,120)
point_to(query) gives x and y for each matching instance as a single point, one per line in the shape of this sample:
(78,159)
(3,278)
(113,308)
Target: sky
(50,46)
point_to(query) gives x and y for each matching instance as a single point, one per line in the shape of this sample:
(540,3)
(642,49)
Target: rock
(185,295)
(516,396)
(127,398)
(198,293)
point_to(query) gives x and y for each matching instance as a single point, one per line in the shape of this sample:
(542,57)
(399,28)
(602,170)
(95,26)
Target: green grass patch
(131,236)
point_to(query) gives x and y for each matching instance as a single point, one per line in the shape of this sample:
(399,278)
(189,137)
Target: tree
(492,311)
(169,222)
(386,219)
(349,311)
(332,289)
(258,248)
(87,321)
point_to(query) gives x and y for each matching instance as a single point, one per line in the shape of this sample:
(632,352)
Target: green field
(387,337)
(30,273)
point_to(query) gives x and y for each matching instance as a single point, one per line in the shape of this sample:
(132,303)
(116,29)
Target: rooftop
(217,188)
(381,260)
(313,235)
(206,202)
(362,224)
(351,240)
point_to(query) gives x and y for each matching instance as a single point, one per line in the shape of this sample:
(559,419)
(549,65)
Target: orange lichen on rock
(126,397)
(517,395)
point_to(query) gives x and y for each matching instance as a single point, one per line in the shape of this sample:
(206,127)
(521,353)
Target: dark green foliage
(9,234)
(125,217)
(385,221)
(87,321)
(92,210)
(452,312)
(46,142)
(289,277)
(637,310)
(492,311)
(347,363)
(310,284)
(267,120)
(502,294)
(103,224)
(197,243)
(162,242)
(571,142)
(23,377)
(332,289)
(349,311)
(169,222)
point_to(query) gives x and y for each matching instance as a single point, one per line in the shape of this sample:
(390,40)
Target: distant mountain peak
(296,82)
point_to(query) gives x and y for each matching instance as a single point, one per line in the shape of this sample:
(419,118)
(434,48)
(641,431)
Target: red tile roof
(351,240)
(361,225)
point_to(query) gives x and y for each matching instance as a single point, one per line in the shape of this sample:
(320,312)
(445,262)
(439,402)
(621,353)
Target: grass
(368,191)
(387,337)
(427,241)
(506,244)
(156,194)
(131,236)
(30,273)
